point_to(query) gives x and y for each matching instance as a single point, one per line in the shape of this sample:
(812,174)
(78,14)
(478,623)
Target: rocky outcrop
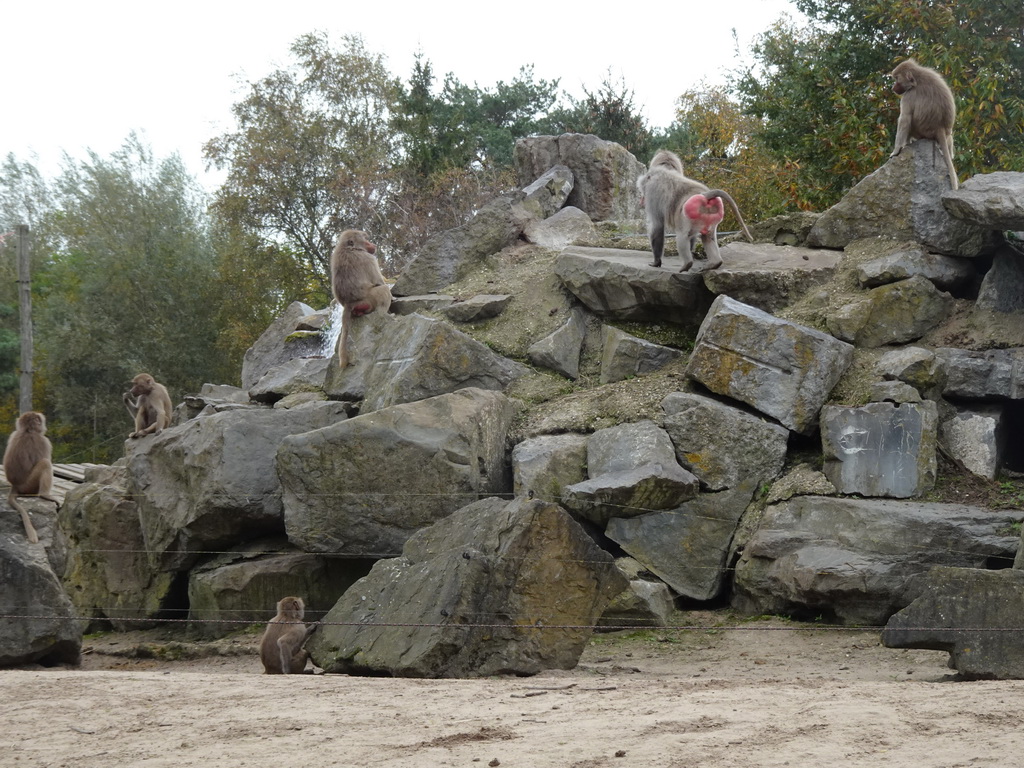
(568,226)
(976,437)
(560,351)
(604,172)
(449,255)
(279,343)
(632,471)
(770,277)
(477,308)
(546,196)
(108,571)
(471,597)
(944,272)
(246,583)
(976,375)
(723,445)
(895,313)
(901,201)
(542,467)
(686,547)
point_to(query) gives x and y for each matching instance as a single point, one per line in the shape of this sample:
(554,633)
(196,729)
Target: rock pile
(418,501)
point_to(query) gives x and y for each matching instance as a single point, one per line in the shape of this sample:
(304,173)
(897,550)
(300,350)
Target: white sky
(84,75)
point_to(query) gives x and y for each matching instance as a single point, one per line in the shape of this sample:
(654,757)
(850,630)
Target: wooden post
(25,309)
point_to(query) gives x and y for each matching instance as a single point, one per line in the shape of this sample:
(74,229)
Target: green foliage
(128,286)
(610,113)
(309,157)
(471,126)
(824,95)
(720,145)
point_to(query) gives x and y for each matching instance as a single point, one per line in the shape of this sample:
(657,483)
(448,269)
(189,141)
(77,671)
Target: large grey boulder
(892,314)
(280,343)
(624,356)
(686,547)
(986,375)
(560,350)
(975,615)
(616,283)
(543,466)
(604,172)
(364,486)
(404,359)
(298,375)
(570,225)
(210,483)
(768,276)
(245,584)
(450,255)
(782,369)
(41,623)
(881,449)
(992,200)
(720,444)
(471,596)
(109,576)
(902,201)
(849,560)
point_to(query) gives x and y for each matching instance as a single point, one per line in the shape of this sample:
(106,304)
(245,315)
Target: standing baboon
(149,404)
(674,201)
(357,283)
(927,110)
(28,465)
(281,648)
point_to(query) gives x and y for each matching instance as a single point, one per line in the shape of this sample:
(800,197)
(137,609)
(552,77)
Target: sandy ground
(751,694)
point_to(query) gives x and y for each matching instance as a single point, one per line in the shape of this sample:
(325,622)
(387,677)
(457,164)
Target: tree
(608,112)
(129,286)
(824,96)
(310,156)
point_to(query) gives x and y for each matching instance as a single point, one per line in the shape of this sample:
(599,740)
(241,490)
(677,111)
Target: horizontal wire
(542,626)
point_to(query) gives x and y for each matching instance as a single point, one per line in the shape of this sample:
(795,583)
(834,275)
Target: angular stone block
(880,449)
(782,369)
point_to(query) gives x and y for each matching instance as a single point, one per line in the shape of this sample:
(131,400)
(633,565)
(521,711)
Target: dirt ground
(754,693)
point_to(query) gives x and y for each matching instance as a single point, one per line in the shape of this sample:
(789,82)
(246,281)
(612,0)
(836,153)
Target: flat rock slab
(618,283)
(769,276)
